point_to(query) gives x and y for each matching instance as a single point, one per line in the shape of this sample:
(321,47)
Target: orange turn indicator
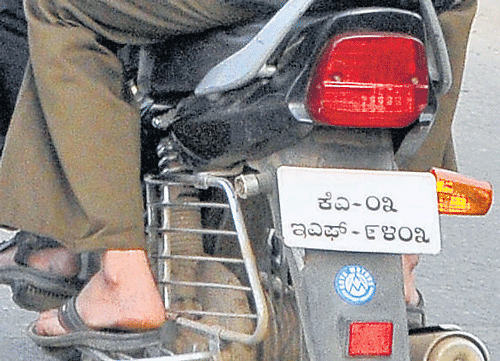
(462,195)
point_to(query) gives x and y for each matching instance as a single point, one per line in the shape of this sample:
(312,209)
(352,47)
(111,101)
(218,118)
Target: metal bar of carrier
(159,228)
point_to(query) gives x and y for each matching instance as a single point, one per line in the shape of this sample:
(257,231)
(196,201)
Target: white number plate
(359,211)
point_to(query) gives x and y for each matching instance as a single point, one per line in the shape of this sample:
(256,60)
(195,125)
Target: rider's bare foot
(122,295)
(56,261)
(412,296)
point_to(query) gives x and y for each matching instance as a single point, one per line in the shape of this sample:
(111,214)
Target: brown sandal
(80,334)
(37,290)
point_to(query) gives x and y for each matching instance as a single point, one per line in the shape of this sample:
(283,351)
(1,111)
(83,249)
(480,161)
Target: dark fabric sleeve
(13,57)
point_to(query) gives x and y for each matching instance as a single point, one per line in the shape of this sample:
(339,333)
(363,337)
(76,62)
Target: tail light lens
(370,80)
(461,195)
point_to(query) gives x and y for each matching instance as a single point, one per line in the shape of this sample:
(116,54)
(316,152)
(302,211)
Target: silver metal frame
(164,257)
(229,75)
(158,203)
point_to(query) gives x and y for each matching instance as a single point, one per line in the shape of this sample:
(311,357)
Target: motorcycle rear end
(289,151)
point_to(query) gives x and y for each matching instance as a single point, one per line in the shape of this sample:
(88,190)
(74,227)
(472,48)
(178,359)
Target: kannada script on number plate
(359,211)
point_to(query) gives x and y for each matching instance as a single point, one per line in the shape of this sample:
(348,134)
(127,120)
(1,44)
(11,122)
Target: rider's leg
(71,167)
(438,149)
(411,294)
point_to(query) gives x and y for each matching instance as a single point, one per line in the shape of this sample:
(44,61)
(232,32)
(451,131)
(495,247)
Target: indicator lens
(461,195)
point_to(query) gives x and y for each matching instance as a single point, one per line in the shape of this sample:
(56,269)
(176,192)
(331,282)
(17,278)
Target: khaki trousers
(438,149)
(70,168)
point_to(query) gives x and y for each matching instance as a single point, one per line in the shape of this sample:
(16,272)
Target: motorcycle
(277,143)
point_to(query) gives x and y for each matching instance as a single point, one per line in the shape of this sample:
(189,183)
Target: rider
(71,165)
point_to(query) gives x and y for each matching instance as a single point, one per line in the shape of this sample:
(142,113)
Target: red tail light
(370,80)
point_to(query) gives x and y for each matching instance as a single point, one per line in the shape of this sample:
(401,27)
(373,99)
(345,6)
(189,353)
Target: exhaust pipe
(446,343)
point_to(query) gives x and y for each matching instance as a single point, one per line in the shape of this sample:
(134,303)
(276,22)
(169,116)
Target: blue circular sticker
(355,285)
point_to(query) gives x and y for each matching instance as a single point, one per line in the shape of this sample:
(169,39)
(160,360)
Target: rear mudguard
(324,315)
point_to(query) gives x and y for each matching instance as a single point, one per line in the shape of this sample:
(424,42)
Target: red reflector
(370,80)
(370,339)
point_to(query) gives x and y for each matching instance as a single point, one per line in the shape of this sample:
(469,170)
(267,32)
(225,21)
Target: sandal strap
(416,314)
(90,264)
(28,243)
(40,290)
(69,318)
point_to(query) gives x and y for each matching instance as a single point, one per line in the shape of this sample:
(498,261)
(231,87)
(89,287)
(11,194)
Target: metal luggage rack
(160,229)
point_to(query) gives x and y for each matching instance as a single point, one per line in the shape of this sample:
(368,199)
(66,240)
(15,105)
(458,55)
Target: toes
(48,324)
